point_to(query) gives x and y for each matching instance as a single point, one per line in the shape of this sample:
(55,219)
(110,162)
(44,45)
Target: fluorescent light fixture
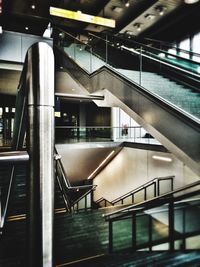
(79,16)
(149,16)
(191,1)
(1,30)
(101,164)
(162,158)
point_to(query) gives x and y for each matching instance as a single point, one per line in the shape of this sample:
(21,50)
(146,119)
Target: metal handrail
(103,199)
(139,206)
(92,187)
(67,186)
(154,181)
(142,187)
(166,52)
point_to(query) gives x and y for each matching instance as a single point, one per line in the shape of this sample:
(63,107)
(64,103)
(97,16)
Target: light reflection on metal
(79,16)
(14,156)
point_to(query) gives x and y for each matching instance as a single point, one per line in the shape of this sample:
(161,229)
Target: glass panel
(139,196)
(142,230)
(178,245)
(128,200)
(196,47)
(193,242)
(89,200)
(165,186)
(122,234)
(160,229)
(81,204)
(150,191)
(192,219)
(164,246)
(185,45)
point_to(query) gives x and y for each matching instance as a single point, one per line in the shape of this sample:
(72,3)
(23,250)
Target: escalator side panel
(173,129)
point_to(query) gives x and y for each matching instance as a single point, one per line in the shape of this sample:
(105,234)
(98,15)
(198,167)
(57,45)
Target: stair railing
(180,195)
(67,190)
(102,202)
(154,183)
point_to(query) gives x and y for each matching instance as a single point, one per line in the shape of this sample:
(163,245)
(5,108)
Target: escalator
(166,107)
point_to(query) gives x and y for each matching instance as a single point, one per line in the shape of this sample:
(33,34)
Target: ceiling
(159,19)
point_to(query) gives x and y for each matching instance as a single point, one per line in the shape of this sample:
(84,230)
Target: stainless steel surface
(40,143)
(177,132)
(14,156)
(80,97)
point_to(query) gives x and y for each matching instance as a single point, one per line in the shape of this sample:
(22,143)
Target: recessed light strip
(101,164)
(79,16)
(162,158)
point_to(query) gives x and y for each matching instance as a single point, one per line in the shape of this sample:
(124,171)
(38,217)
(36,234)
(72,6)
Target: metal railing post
(134,238)
(171,225)
(110,236)
(40,144)
(150,232)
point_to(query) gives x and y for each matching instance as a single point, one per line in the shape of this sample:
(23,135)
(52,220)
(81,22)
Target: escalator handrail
(170,105)
(167,44)
(166,197)
(160,59)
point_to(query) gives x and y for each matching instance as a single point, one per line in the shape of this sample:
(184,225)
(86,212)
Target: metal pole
(40,143)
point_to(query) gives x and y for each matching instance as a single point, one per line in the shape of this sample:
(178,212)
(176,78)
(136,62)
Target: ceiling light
(149,16)
(160,10)
(68,14)
(1,30)
(33,6)
(26,28)
(162,158)
(130,33)
(117,9)
(127,3)
(138,26)
(191,1)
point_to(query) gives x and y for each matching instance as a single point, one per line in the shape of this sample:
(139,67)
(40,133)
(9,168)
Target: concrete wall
(13,46)
(134,167)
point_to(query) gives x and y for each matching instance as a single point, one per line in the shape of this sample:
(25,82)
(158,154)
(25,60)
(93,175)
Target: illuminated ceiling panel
(79,16)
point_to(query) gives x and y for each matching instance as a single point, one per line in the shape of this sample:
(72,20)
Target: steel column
(40,143)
